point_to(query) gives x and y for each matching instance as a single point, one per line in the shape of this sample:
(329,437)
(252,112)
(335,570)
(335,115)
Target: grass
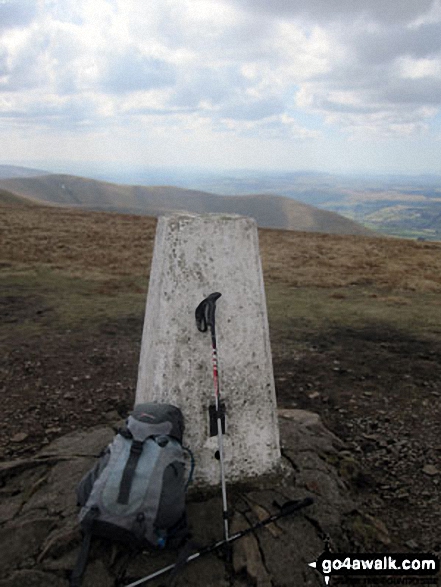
(76,270)
(430,234)
(331,261)
(44,300)
(48,300)
(295,312)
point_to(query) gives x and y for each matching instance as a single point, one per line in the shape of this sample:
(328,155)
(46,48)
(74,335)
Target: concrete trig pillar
(194,256)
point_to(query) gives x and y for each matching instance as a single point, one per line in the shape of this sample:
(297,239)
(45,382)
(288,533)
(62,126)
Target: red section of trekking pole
(205,314)
(215,371)
(220,436)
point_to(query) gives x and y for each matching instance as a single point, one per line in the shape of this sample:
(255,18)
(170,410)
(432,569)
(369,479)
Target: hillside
(10,199)
(11,171)
(399,205)
(355,337)
(268,210)
(395,205)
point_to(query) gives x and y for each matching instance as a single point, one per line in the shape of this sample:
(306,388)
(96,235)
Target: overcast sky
(260,84)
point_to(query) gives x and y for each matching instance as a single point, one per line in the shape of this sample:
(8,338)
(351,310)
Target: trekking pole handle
(205,313)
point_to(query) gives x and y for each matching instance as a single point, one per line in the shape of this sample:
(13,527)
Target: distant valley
(404,206)
(397,205)
(268,210)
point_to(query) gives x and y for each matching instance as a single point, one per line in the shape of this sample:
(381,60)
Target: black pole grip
(205,312)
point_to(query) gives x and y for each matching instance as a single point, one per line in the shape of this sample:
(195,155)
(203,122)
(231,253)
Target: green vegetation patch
(296,312)
(429,234)
(44,300)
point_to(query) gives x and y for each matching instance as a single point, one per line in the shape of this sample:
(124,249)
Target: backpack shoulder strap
(129,471)
(188,547)
(76,577)
(139,431)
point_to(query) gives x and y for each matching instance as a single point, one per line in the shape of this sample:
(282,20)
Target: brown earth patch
(379,390)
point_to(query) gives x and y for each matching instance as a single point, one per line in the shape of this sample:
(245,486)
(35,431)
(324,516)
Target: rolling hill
(10,199)
(398,205)
(268,210)
(10,171)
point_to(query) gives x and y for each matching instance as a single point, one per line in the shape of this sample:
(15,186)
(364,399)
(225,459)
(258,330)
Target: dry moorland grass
(95,242)
(114,244)
(324,260)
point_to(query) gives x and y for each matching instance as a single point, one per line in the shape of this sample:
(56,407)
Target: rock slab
(40,537)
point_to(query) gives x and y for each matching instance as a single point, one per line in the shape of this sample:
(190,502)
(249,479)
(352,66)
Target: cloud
(252,109)
(277,127)
(420,68)
(130,70)
(325,11)
(418,92)
(385,79)
(203,84)
(255,68)
(24,61)
(74,113)
(16,13)
(385,44)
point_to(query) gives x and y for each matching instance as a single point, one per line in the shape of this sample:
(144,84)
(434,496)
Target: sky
(326,85)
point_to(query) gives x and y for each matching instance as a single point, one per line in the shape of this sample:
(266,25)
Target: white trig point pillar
(194,256)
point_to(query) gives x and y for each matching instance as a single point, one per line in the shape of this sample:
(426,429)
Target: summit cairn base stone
(194,256)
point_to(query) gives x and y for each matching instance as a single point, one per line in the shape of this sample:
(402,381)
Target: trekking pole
(285,510)
(205,319)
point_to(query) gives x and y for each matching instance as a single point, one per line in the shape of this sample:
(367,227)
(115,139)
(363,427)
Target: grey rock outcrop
(40,538)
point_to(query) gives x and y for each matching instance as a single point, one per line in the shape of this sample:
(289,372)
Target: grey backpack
(136,491)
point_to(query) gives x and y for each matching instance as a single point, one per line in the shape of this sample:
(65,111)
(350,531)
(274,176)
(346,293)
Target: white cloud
(249,68)
(419,68)
(279,126)
(382,124)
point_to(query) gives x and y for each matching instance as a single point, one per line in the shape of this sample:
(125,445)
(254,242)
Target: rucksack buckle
(137,446)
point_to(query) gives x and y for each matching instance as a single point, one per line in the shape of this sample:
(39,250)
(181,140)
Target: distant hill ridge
(268,210)
(10,171)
